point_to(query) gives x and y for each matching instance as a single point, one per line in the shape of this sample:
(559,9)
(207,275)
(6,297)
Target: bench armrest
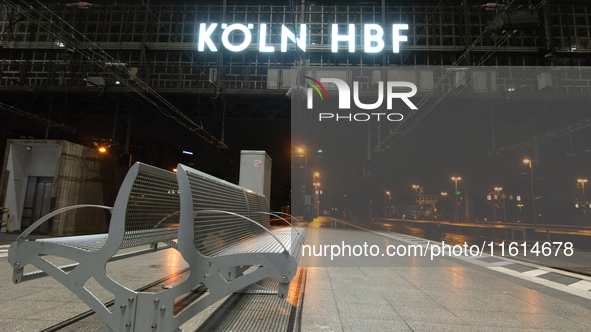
(274,214)
(245,218)
(164,219)
(287,214)
(48,216)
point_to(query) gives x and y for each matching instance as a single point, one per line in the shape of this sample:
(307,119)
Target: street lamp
(498,189)
(386,200)
(444,194)
(582,181)
(533,198)
(309,201)
(417,198)
(418,190)
(456,179)
(314,178)
(316,194)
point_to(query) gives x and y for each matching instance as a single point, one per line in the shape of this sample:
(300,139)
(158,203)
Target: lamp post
(416,187)
(308,213)
(456,179)
(444,194)
(317,199)
(533,198)
(386,200)
(519,206)
(316,196)
(583,181)
(498,189)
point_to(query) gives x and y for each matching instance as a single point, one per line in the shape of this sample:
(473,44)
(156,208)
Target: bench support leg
(283,289)
(17,276)
(235,272)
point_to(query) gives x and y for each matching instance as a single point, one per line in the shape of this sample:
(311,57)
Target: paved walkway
(456,295)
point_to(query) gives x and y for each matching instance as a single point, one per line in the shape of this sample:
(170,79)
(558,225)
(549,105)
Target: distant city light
(174,170)
(102,149)
(188,152)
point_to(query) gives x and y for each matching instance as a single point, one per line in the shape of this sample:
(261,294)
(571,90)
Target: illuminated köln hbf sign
(373,37)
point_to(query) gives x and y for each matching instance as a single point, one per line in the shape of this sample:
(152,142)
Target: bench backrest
(215,232)
(147,209)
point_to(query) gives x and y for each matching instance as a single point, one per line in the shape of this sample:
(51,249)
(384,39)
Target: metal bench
(224,233)
(224,230)
(146,212)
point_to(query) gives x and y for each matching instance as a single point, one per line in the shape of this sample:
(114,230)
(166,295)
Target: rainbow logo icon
(315,86)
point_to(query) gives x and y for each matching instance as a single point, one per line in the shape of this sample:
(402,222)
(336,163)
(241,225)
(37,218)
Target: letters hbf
(373,37)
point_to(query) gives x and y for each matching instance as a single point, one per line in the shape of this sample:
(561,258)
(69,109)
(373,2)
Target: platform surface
(487,294)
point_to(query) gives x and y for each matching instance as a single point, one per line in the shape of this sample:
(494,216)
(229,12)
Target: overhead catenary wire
(91,51)
(389,140)
(550,136)
(144,86)
(44,121)
(424,28)
(176,41)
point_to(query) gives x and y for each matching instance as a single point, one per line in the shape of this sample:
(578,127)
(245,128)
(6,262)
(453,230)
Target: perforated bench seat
(86,243)
(97,241)
(262,244)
